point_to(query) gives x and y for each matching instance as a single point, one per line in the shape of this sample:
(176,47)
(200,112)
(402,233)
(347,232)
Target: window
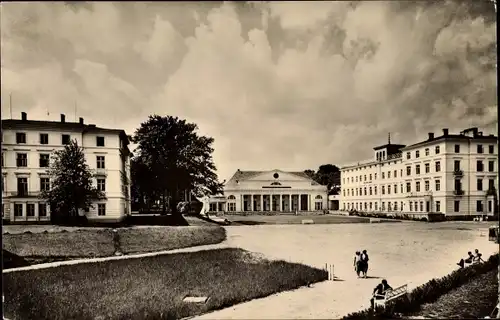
(365,191)
(388,174)
(417,186)
(395,173)
(408,170)
(426,151)
(375,175)
(22,186)
(408,155)
(231,206)
(417,154)
(383,205)
(319,205)
(480,148)
(383,189)
(395,206)
(101,209)
(491,149)
(370,190)
(20,137)
(44,184)
(100,141)
(438,206)
(490,206)
(44,160)
(437,150)
(22,160)
(427,168)
(101,162)
(356,178)
(388,189)
(30,209)
(364,178)
(65,139)
(456,206)
(18,210)
(376,205)
(417,169)
(395,188)
(2,160)
(438,166)
(402,188)
(383,175)
(479,184)
(456,165)
(479,206)
(371,205)
(457,150)
(370,177)
(427,185)
(438,185)
(479,166)
(44,138)
(101,184)
(411,206)
(42,210)
(408,187)
(491,166)
(421,206)
(491,184)
(375,190)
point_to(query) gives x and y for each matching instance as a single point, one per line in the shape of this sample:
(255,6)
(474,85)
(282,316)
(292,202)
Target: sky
(278,85)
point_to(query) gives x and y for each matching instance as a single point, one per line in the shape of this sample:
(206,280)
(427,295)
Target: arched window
(231,197)
(276,183)
(319,197)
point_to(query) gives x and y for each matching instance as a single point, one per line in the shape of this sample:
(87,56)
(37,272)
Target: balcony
(29,194)
(458,173)
(101,172)
(458,192)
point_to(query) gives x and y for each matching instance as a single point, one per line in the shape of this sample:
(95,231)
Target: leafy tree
(142,191)
(328,175)
(176,159)
(71,184)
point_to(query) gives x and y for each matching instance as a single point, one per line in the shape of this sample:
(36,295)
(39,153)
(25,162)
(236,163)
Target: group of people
(361,263)
(471,259)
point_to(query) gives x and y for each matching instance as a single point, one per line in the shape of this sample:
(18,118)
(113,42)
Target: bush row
(426,293)
(432,217)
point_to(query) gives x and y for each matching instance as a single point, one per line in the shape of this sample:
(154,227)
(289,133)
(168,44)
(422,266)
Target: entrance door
(427,206)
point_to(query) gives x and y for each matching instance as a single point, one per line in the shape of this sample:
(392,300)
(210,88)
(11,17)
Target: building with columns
(454,174)
(271,191)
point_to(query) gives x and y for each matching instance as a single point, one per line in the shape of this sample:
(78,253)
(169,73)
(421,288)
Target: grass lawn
(473,300)
(152,287)
(292,219)
(86,243)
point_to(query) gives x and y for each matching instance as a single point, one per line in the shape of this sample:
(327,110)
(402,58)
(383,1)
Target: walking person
(357,263)
(364,263)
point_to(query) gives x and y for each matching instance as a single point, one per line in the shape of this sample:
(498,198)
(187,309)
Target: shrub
(427,293)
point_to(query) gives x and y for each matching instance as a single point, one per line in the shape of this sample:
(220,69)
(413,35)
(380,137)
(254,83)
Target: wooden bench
(392,294)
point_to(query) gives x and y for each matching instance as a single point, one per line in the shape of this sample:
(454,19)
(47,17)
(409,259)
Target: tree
(176,159)
(328,175)
(71,184)
(142,191)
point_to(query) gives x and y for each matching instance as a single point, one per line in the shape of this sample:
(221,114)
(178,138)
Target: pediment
(278,176)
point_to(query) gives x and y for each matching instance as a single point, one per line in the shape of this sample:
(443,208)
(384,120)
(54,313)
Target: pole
(10,105)
(75,109)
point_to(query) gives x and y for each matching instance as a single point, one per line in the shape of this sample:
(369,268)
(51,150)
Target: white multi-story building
(454,174)
(27,146)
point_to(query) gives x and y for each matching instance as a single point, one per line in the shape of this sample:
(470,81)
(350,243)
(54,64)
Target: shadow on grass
(248,223)
(373,277)
(11,260)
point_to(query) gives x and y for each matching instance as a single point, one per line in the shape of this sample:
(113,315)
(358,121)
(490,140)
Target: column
(280,203)
(300,203)
(36,211)
(289,202)
(261,202)
(309,206)
(251,203)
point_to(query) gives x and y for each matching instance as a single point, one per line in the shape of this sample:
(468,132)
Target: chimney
(63,118)
(81,120)
(24,116)
(445,132)
(475,131)
(431,135)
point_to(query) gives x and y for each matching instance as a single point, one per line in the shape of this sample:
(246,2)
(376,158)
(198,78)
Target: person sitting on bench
(477,257)
(379,292)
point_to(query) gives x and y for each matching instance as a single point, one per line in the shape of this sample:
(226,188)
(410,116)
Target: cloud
(289,85)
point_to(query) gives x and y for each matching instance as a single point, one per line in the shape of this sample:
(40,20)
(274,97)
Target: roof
(452,137)
(243,175)
(75,126)
(390,145)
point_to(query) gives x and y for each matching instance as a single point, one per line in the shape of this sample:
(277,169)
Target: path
(123,257)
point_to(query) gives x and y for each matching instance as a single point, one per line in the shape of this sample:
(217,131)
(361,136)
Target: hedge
(426,293)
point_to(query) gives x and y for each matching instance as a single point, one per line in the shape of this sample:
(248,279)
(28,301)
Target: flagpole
(10,105)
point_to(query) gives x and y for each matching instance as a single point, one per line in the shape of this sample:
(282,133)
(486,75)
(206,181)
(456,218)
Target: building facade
(271,191)
(454,174)
(27,146)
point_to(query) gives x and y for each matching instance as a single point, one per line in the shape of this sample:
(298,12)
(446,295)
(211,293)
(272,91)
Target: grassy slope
(150,287)
(99,242)
(475,299)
